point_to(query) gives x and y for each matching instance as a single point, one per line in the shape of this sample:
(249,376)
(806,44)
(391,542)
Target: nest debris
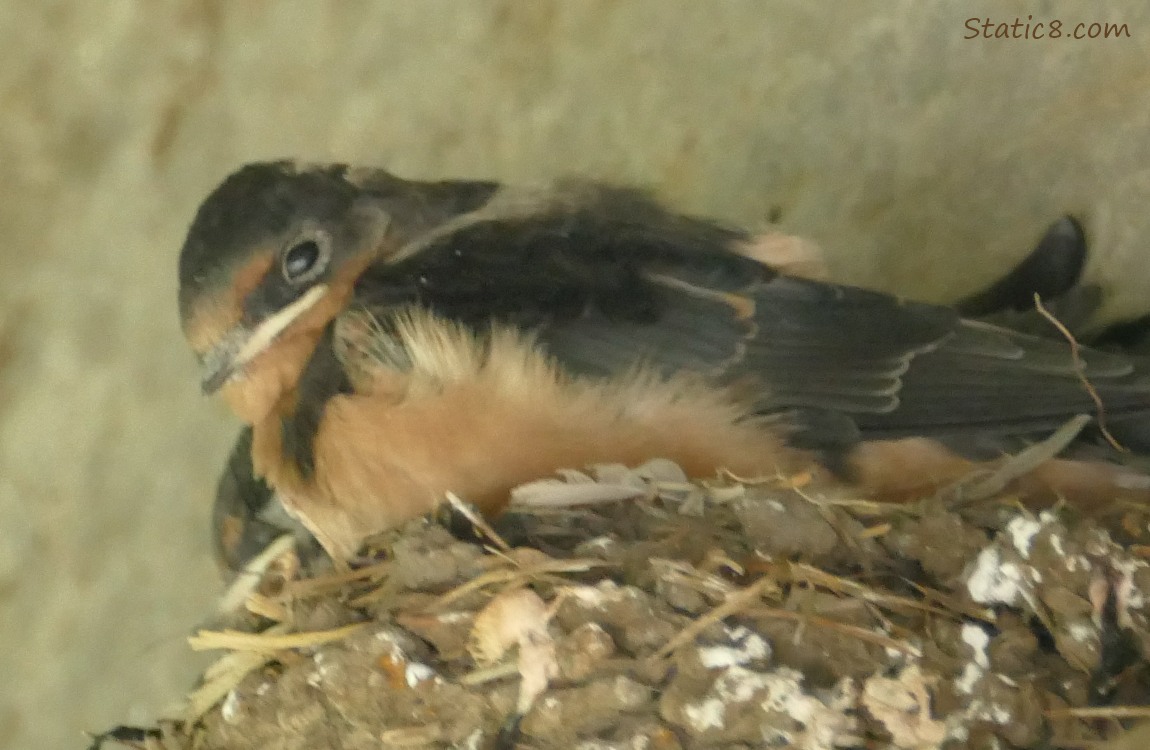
(729,614)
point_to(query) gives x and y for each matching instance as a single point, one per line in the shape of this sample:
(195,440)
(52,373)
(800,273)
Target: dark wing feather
(821,346)
(619,283)
(992,379)
(580,279)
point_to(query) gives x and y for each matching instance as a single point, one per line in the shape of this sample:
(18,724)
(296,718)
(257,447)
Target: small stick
(1100,712)
(208,640)
(739,600)
(854,631)
(1080,368)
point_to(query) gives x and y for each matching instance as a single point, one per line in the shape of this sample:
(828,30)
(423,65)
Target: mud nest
(666,614)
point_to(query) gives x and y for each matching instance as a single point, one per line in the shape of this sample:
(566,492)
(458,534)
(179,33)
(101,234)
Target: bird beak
(242,344)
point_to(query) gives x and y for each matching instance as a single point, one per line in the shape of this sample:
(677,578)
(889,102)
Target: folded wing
(618,283)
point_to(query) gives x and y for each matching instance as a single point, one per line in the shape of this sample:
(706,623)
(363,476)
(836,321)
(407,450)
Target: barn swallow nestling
(390,341)
(247,516)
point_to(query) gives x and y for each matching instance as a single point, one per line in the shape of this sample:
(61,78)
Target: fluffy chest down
(478,419)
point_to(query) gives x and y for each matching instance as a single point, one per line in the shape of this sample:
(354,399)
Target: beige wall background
(920,161)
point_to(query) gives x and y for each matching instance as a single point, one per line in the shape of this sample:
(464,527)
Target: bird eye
(304,259)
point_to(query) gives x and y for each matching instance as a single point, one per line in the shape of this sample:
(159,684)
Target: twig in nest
(413,736)
(207,640)
(325,585)
(684,574)
(248,580)
(1100,712)
(870,508)
(1080,368)
(730,476)
(265,606)
(952,603)
(228,673)
(853,631)
(224,674)
(506,575)
(736,601)
(803,573)
(882,529)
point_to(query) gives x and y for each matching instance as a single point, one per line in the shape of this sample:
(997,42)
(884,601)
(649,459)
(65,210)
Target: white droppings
(709,713)
(603,542)
(896,657)
(735,685)
(979,711)
(394,649)
(1082,632)
(824,726)
(386,636)
(992,712)
(1022,530)
(474,740)
(637,742)
(1075,563)
(978,641)
(975,637)
(748,647)
(322,669)
(452,618)
(416,673)
(970,676)
(597,595)
(230,708)
(718,657)
(993,581)
(956,730)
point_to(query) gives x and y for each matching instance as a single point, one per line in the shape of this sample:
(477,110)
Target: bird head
(271,256)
